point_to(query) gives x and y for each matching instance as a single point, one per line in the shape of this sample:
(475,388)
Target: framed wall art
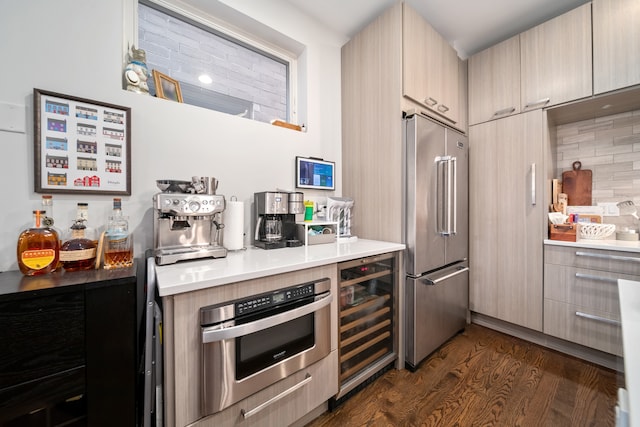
(81,146)
(166,87)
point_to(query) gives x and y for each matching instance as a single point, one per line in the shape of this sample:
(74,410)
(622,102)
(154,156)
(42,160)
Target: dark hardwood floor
(485,378)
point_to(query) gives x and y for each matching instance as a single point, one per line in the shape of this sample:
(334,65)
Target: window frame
(220,28)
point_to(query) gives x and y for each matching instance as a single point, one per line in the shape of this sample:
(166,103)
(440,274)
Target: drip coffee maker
(275,218)
(187,221)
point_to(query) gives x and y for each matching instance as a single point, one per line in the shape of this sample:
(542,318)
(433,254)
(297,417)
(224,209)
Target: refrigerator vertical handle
(454,188)
(533,184)
(441,195)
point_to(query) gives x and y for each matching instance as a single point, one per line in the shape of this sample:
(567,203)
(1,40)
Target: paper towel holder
(234,224)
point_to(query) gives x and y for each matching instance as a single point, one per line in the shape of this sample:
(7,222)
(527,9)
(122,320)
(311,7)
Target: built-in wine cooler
(367,321)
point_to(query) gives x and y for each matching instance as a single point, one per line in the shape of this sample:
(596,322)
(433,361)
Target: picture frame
(166,87)
(80,145)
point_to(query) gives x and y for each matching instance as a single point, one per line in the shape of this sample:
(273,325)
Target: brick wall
(610,147)
(183,52)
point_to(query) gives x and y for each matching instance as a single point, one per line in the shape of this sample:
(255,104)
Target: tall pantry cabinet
(506,227)
(394,64)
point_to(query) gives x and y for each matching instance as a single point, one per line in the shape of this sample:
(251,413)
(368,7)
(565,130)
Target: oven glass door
(267,347)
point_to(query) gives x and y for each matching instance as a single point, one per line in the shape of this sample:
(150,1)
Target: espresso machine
(275,219)
(186,221)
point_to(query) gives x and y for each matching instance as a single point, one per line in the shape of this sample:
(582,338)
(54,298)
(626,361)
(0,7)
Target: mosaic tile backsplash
(610,147)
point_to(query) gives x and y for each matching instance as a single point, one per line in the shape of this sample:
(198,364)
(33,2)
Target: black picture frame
(80,145)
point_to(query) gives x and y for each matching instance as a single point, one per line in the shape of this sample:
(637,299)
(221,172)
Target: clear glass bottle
(38,248)
(118,242)
(78,253)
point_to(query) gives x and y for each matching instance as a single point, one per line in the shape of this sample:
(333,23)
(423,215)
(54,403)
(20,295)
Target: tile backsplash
(610,147)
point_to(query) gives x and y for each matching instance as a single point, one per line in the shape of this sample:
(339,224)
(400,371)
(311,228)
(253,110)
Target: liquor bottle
(48,220)
(38,247)
(118,242)
(82,212)
(78,253)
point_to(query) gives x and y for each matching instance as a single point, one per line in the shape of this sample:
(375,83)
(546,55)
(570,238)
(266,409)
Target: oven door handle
(219,332)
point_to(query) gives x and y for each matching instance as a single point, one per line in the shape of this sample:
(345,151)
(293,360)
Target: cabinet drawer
(48,394)
(41,335)
(584,287)
(585,326)
(320,383)
(613,261)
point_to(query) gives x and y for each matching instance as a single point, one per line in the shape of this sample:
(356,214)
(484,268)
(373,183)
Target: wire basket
(596,231)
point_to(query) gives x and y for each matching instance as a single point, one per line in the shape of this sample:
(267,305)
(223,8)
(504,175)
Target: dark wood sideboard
(68,348)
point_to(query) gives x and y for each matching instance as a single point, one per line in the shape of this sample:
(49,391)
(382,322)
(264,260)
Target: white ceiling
(469,25)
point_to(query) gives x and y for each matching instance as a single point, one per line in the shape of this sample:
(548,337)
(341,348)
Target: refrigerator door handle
(453,189)
(442,194)
(432,282)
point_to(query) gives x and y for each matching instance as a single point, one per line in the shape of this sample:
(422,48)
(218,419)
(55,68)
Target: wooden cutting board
(576,184)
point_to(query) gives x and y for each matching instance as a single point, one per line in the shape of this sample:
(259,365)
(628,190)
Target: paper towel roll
(234,225)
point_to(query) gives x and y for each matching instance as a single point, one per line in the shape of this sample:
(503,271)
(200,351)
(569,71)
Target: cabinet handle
(274,399)
(219,333)
(539,102)
(533,184)
(504,112)
(443,108)
(443,278)
(598,278)
(598,318)
(608,257)
(430,101)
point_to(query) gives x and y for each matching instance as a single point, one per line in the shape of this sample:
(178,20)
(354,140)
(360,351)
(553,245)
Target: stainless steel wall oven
(251,343)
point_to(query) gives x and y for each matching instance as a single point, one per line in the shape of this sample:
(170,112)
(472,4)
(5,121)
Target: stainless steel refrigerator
(436,234)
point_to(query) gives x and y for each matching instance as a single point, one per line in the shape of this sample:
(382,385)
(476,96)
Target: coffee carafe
(275,219)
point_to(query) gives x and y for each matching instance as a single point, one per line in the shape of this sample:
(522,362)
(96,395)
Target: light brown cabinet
(616,44)
(430,67)
(556,60)
(547,65)
(506,198)
(494,82)
(372,108)
(581,295)
(183,388)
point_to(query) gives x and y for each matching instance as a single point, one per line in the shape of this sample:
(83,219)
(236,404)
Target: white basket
(596,231)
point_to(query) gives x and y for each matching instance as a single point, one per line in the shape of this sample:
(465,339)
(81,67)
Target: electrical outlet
(610,208)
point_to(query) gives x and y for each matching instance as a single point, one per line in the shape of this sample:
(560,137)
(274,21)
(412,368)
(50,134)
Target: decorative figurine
(136,72)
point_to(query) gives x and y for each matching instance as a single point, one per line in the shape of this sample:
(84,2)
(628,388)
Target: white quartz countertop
(629,293)
(609,245)
(254,262)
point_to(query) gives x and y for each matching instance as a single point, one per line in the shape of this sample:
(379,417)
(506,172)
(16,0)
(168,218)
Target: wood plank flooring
(485,378)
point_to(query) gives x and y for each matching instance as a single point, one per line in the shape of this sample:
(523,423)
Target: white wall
(75,47)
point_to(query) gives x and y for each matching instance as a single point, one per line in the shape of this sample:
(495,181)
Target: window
(215,70)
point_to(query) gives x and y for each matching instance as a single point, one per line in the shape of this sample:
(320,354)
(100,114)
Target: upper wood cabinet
(546,65)
(616,44)
(494,82)
(430,67)
(556,62)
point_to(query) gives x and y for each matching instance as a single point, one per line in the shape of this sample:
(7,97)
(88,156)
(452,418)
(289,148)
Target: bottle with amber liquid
(118,242)
(78,253)
(38,247)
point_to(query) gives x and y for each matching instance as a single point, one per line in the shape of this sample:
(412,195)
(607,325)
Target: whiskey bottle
(78,253)
(48,220)
(118,242)
(38,248)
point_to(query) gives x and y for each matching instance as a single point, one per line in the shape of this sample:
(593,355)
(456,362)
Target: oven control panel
(261,302)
